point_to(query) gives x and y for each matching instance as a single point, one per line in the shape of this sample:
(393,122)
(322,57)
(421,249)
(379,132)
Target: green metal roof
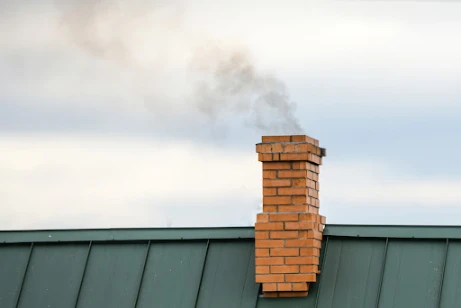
(361,266)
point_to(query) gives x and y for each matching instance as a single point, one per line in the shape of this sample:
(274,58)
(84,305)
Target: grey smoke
(225,82)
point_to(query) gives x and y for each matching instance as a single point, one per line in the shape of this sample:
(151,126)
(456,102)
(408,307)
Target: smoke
(152,40)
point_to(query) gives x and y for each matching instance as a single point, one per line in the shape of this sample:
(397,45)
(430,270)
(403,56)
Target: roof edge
(162,234)
(154,234)
(395,231)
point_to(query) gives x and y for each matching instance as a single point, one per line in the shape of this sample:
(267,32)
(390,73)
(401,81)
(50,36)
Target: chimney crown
(290,148)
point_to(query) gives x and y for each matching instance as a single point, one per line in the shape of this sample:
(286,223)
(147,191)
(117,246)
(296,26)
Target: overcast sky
(146,113)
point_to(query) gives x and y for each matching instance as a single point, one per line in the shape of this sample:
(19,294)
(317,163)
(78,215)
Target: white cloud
(120,182)
(52,181)
(378,184)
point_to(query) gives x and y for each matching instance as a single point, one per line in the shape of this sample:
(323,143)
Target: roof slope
(362,266)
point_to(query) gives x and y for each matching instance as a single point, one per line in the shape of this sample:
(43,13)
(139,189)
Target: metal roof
(361,266)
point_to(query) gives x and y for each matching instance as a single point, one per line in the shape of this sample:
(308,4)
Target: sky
(146,113)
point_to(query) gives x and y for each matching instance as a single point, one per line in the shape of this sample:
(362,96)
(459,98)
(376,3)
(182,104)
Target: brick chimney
(288,233)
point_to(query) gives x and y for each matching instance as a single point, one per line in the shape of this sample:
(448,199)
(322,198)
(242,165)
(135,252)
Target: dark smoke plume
(225,81)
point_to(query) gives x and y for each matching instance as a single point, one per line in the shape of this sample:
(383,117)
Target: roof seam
(203,271)
(25,275)
(90,245)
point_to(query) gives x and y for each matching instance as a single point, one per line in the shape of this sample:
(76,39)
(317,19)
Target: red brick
(300,286)
(300,277)
(261,252)
(265,157)
(262,269)
(283,234)
(277,200)
(269,174)
(289,148)
(284,286)
(269,287)
(302,260)
(313,209)
(269,208)
(276,165)
(271,294)
(269,191)
(277,148)
(283,217)
(311,234)
(269,243)
(311,184)
(271,278)
(306,147)
(292,294)
(293,208)
(313,193)
(315,176)
(315,159)
(311,251)
(261,217)
(310,201)
(299,138)
(317,186)
(262,235)
(263,148)
(301,165)
(307,139)
(292,174)
(276,156)
(303,225)
(276,183)
(294,156)
(323,220)
(300,199)
(317,235)
(268,226)
(270,261)
(309,269)
(284,252)
(292,191)
(276,138)
(309,217)
(301,243)
(300,182)
(284,269)
(305,234)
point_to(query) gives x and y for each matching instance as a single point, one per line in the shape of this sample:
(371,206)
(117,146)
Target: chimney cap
(289,144)
(290,138)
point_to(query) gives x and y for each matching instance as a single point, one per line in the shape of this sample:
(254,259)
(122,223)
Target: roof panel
(352,275)
(13,263)
(228,277)
(451,294)
(412,274)
(121,268)
(172,274)
(113,275)
(53,275)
